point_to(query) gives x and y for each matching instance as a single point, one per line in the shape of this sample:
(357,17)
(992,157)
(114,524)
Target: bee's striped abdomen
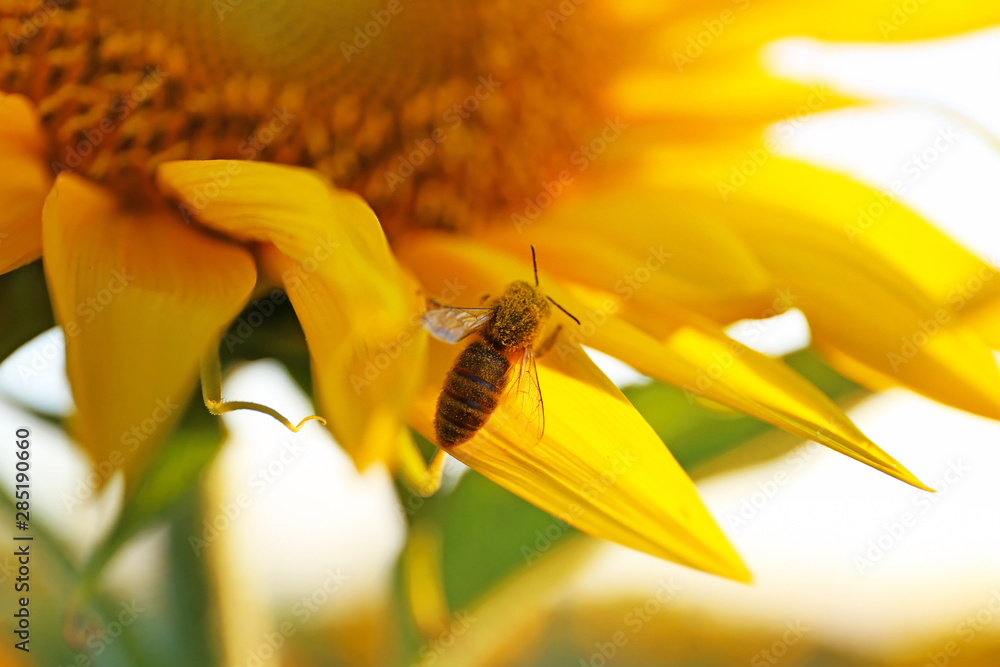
(470,394)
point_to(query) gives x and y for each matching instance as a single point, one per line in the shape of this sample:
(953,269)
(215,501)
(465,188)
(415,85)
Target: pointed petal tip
(893,468)
(733,569)
(912,480)
(898,471)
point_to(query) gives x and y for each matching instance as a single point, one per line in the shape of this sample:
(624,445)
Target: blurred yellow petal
(865,300)
(947,273)
(985,319)
(951,276)
(24,184)
(714,94)
(869,20)
(141,298)
(629,240)
(423,582)
(738,23)
(599,466)
(359,312)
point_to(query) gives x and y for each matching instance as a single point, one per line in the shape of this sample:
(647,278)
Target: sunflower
(169,161)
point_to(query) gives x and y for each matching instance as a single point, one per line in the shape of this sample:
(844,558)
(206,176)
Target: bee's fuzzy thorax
(521,312)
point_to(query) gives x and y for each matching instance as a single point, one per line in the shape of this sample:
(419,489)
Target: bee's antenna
(535,264)
(563,309)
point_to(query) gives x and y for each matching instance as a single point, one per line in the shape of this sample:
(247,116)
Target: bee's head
(521,312)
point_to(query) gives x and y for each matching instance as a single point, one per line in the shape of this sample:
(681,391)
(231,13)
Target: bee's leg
(483,298)
(547,344)
(424,480)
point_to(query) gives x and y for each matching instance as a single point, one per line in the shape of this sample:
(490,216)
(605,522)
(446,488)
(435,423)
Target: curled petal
(359,311)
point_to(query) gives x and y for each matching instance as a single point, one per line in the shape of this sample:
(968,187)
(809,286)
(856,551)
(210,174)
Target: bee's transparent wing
(453,324)
(521,406)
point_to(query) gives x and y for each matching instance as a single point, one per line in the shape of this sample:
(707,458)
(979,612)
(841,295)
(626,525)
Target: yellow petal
(869,20)
(359,312)
(704,101)
(726,371)
(629,240)
(599,466)
(985,319)
(141,297)
(947,273)
(704,60)
(24,184)
(760,21)
(865,300)
(689,354)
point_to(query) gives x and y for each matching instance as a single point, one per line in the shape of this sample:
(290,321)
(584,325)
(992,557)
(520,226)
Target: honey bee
(496,372)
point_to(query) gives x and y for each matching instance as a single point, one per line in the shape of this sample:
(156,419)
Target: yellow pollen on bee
(522,311)
(445,115)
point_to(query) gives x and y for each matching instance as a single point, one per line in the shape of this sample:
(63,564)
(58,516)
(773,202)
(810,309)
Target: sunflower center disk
(439,114)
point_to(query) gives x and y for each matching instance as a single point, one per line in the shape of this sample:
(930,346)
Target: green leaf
(269,329)
(193,611)
(171,477)
(24,302)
